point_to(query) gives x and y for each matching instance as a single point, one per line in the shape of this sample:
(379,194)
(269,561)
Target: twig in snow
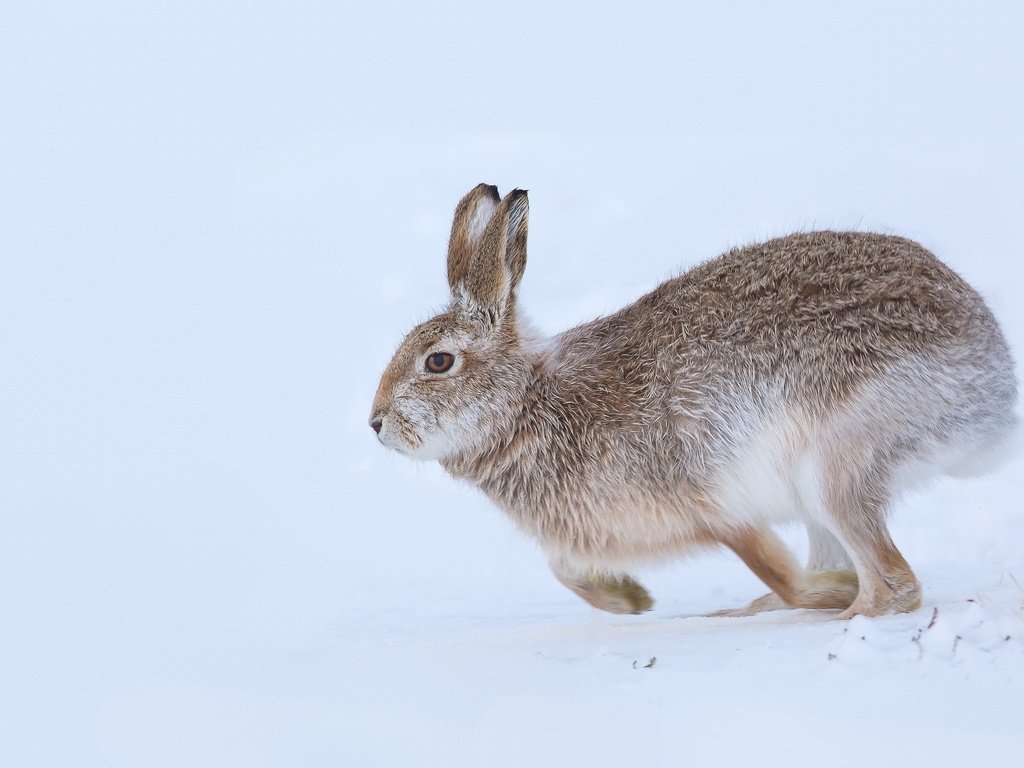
(917,640)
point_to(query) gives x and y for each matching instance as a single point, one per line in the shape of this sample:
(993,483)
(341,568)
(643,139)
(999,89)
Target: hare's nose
(376,424)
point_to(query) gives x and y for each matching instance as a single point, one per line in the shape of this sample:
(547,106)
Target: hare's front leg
(612,592)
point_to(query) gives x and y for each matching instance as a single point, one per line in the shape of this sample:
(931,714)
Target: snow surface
(217,221)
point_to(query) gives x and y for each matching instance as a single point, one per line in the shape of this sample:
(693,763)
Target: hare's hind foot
(828,589)
(792,586)
(829,576)
(614,593)
(814,589)
(769,602)
(890,596)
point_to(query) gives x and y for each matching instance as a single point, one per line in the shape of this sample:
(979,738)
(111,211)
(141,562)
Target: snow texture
(216,222)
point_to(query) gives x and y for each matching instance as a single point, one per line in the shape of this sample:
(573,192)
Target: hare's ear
(515,242)
(472,214)
(500,259)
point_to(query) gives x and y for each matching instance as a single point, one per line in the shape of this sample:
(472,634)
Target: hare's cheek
(445,431)
(426,437)
(421,414)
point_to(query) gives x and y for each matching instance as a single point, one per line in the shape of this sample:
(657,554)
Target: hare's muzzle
(376,423)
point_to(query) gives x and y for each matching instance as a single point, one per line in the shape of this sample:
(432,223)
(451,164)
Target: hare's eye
(440,362)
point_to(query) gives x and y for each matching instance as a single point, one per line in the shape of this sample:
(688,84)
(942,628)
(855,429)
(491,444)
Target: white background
(217,220)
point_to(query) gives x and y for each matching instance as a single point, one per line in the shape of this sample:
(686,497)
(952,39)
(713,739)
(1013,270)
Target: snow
(218,220)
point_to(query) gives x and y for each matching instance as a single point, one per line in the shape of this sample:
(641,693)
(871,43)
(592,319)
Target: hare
(809,378)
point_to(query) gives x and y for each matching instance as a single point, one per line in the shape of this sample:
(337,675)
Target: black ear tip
(518,198)
(483,189)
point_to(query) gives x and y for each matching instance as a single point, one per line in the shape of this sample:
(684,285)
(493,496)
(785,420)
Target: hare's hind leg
(767,556)
(827,563)
(612,592)
(855,506)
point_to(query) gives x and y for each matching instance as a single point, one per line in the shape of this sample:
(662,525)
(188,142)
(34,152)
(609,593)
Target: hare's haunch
(812,377)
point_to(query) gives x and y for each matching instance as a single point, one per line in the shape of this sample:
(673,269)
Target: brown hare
(809,378)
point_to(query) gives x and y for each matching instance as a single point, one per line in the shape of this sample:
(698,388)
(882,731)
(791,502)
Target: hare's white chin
(445,444)
(431,447)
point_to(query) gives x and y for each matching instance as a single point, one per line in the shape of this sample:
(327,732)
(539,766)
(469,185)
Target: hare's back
(818,314)
(830,287)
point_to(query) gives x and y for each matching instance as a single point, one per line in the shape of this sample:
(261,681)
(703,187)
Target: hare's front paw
(612,593)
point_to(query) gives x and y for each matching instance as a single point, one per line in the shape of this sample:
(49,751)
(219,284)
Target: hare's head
(459,376)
